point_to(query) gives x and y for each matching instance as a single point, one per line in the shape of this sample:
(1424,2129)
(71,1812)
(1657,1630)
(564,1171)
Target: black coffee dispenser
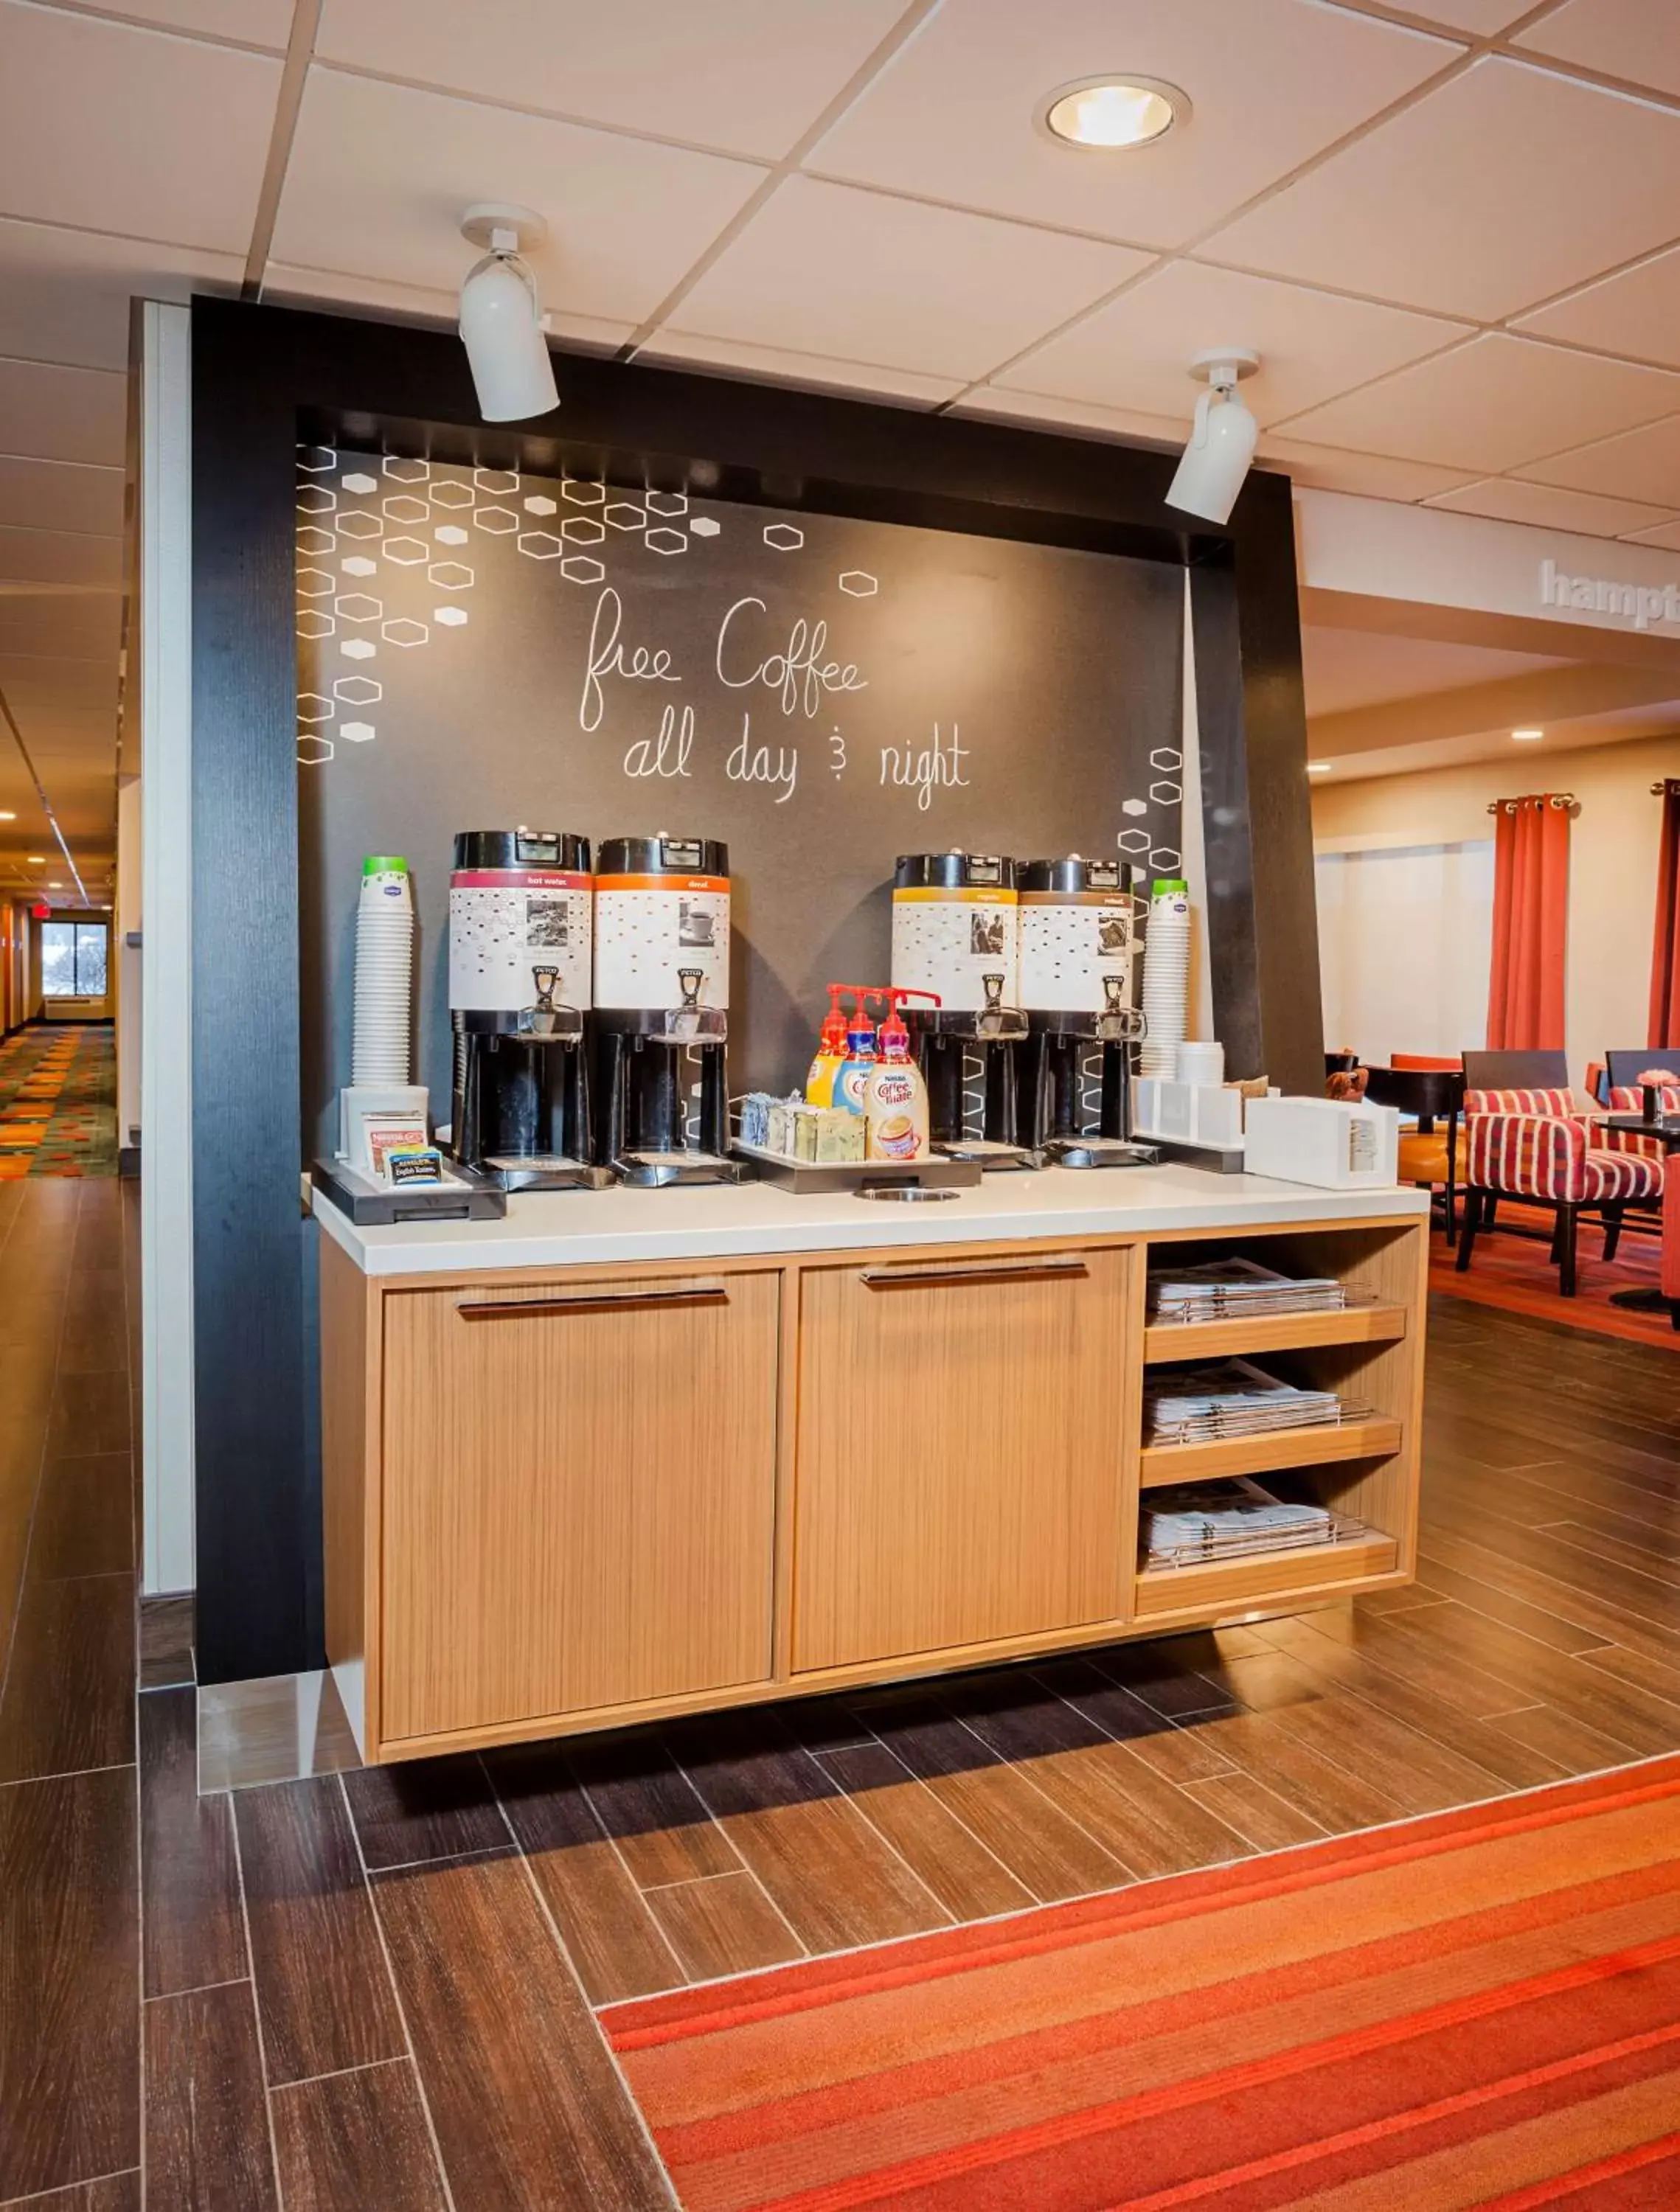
(662,1010)
(520,959)
(1078,941)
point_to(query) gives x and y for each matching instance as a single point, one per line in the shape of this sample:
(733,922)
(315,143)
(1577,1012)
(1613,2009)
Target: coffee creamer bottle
(895,1095)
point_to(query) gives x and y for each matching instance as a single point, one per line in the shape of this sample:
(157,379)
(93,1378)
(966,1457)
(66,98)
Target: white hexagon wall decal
(540,545)
(358,648)
(582,530)
(355,734)
(448,493)
(402,631)
(582,493)
(623,514)
(313,751)
(359,565)
(450,576)
(406,552)
(316,498)
(705,526)
(1165,795)
(500,521)
(539,503)
(1167,756)
(452,617)
(315,584)
(403,506)
(356,482)
(406,471)
(1135,806)
(1133,841)
(859,584)
(361,525)
(312,622)
(358,607)
(312,707)
(783,537)
(357,691)
(500,484)
(581,569)
(312,460)
(665,541)
(450,533)
(665,503)
(311,540)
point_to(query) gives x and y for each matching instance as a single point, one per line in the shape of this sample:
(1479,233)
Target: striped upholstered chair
(1534,1141)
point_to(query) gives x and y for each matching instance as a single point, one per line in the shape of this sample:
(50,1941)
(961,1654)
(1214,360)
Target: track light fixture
(501,316)
(1221,446)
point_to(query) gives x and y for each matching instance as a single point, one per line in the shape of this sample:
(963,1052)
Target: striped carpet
(57,1101)
(1482,2008)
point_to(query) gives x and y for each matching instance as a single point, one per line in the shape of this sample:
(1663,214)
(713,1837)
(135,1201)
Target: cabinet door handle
(924,1278)
(649,1297)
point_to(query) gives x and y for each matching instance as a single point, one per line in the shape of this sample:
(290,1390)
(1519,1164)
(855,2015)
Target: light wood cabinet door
(960,1452)
(579,1503)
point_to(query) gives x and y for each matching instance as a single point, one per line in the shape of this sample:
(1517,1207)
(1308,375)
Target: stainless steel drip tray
(988,1154)
(655,1170)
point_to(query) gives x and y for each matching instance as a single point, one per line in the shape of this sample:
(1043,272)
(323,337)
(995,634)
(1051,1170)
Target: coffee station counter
(629,1453)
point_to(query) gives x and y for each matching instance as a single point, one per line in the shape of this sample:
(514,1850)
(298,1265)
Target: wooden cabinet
(581,1507)
(960,1452)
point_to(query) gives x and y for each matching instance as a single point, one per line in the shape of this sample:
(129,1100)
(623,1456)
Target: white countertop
(560,1229)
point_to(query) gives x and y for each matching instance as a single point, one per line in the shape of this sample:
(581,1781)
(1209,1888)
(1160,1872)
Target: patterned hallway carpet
(1482,2008)
(57,1102)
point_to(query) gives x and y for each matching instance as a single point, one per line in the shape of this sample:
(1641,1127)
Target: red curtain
(1665,1025)
(1530,924)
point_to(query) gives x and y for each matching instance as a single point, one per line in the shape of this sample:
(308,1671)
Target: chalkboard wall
(479,649)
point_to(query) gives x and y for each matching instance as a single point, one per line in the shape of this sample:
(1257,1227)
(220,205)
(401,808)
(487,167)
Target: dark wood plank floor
(373,1992)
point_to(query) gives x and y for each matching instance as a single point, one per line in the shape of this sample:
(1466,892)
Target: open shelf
(1263,1575)
(1223,1339)
(1279,1447)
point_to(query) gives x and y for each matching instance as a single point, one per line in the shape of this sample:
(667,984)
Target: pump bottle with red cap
(895,1104)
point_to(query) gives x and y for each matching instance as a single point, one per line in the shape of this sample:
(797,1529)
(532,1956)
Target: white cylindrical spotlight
(501,318)
(1221,446)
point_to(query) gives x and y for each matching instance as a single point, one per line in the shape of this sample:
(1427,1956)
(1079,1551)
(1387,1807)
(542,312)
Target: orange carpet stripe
(1047,2058)
(646,2024)
(1583,2177)
(1013,2144)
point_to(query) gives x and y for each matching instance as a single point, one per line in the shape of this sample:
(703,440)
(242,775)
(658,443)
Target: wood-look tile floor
(372,1990)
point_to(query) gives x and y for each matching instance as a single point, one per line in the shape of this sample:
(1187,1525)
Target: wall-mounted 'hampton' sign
(1641,604)
(481,650)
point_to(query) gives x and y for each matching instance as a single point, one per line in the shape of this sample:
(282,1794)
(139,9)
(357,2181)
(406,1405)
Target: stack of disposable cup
(382,1048)
(1166,978)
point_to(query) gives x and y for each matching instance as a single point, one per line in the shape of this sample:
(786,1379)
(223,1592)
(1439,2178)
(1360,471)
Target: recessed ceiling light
(55,885)
(36,859)
(1110,114)
(1528,737)
(1318,768)
(6,815)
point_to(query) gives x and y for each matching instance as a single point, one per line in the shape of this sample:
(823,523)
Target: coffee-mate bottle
(895,1095)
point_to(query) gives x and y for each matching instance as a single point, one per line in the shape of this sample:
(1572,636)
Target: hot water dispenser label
(504,922)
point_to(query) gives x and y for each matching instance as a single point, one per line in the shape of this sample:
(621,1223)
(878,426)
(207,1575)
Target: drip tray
(659,1170)
(990,1157)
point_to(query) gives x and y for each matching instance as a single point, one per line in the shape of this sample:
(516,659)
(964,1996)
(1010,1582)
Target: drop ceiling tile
(1667,535)
(64,295)
(247,22)
(419,303)
(748,77)
(1501,188)
(63,413)
(951,118)
(45,684)
(60,495)
(1043,408)
(1133,353)
(76,625)
(379,176)
(1636,39)
(1508,500)
(1641,465)
(856,276)
(1637,314)
(106,127)
(1492,406)
(681,350)
(1480,18)
(1368,476)
(60,557)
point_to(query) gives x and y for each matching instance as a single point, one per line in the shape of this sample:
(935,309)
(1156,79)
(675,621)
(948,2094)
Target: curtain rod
(1565,801)
(1668,783)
